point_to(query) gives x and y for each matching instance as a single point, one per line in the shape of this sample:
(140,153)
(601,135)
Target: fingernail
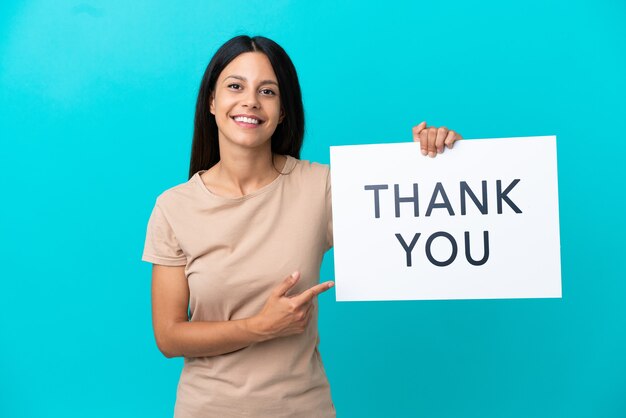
(431,154)
(424,152)
(331,284)
(294,274)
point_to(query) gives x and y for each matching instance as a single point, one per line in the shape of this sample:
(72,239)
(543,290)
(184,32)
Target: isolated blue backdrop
(96,119)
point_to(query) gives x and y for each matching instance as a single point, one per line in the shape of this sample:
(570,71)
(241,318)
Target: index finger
(312,292)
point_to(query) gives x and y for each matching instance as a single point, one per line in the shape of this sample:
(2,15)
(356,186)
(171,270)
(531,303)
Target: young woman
(241,243)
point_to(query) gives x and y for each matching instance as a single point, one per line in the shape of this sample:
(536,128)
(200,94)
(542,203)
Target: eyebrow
(238,77)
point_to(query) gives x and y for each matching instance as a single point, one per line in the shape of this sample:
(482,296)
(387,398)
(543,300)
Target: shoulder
(173,196)
(311,177)
(311,170)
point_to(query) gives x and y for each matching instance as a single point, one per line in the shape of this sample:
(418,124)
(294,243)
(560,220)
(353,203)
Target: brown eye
(268,92)
(235,86)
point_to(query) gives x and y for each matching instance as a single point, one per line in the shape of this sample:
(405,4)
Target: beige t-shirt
(235,251)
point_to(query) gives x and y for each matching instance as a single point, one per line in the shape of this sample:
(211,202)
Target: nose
(251,99)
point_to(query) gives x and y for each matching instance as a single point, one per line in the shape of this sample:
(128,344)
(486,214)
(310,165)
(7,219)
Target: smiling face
(246,102)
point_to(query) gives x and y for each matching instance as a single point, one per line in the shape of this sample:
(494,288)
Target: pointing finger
(309,294)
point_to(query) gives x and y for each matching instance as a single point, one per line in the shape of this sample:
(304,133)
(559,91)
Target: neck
(246,170)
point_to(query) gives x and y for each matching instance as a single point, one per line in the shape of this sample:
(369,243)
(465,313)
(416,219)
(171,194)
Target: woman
(241,244)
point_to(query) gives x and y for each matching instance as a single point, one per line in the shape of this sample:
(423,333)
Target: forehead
(252,66)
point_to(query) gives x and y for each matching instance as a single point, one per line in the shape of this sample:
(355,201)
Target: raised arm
(176,336)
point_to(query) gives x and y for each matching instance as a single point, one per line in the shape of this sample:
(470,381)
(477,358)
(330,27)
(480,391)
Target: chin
(252,144)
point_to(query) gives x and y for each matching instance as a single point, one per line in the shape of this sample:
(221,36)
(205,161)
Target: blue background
(96,119)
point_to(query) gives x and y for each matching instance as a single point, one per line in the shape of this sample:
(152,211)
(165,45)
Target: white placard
(483,224)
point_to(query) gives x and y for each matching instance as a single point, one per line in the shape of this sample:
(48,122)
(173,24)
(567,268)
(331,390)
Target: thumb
(287,284)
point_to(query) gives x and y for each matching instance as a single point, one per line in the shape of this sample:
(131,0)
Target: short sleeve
(161,246)
(329,213)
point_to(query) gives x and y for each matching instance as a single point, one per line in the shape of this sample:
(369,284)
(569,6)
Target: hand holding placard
(432,139)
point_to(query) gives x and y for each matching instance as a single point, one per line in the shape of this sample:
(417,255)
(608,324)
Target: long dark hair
(288,136)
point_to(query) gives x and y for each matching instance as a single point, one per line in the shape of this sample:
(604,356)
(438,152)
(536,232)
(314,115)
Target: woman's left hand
(432,139)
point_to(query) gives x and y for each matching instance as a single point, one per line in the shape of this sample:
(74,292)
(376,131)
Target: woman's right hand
(287,315)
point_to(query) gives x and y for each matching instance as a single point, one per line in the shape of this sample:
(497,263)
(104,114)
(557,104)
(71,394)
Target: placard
(479,221)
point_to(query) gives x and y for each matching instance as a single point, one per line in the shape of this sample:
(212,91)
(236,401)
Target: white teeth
(246,120)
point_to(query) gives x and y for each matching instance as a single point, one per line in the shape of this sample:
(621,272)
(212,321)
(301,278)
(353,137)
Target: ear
(212,104)
(282,116)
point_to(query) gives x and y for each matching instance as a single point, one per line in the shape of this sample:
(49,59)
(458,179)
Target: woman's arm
(176,336)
